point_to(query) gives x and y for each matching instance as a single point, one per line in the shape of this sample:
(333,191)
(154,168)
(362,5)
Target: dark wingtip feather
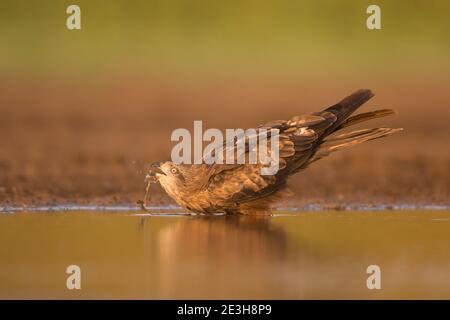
(357,98)
(347,106)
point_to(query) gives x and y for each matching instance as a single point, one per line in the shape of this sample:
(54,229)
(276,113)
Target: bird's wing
(298,139)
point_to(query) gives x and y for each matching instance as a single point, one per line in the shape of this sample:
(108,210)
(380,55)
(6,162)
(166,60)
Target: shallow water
(292,255)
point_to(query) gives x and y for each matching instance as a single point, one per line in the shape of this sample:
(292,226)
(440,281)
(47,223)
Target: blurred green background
(192,36)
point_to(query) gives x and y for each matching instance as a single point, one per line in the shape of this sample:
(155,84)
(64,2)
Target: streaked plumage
(241,189)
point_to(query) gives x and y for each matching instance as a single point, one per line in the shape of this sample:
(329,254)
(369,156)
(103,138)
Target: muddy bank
(66,142)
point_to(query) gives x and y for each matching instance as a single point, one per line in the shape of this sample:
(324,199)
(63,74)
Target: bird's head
(172,177)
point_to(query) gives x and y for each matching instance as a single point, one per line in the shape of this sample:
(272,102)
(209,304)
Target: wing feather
(235,184)
(301,141)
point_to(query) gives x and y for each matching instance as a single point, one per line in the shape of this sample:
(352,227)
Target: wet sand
(75,142)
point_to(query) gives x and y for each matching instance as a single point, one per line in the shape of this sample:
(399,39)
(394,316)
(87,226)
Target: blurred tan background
(83,112)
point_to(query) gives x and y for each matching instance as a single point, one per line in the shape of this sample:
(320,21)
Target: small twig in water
(143,203)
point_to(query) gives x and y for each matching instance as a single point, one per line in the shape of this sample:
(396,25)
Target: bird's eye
(173,170)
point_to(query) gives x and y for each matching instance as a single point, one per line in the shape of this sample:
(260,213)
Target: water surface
(292,255)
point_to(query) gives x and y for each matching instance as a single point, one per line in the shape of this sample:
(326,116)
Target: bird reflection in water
(218,256)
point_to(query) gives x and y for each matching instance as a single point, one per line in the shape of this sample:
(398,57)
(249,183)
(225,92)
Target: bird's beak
(154,171)
(157,171)
(156,168)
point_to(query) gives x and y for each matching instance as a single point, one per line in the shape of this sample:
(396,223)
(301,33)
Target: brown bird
(241,189)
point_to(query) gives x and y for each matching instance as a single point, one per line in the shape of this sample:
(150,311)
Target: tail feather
(350,139)
(343,109)
(340,116)
(365,117)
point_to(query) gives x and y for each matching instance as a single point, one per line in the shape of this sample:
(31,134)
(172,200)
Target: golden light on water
(311,255)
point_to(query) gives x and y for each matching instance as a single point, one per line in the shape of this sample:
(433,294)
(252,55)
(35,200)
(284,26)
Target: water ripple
(174,210)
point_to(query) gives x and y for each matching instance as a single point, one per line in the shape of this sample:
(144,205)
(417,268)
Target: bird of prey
(240,188)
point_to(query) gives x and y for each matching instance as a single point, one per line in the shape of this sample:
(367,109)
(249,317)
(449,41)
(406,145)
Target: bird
(241,188)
